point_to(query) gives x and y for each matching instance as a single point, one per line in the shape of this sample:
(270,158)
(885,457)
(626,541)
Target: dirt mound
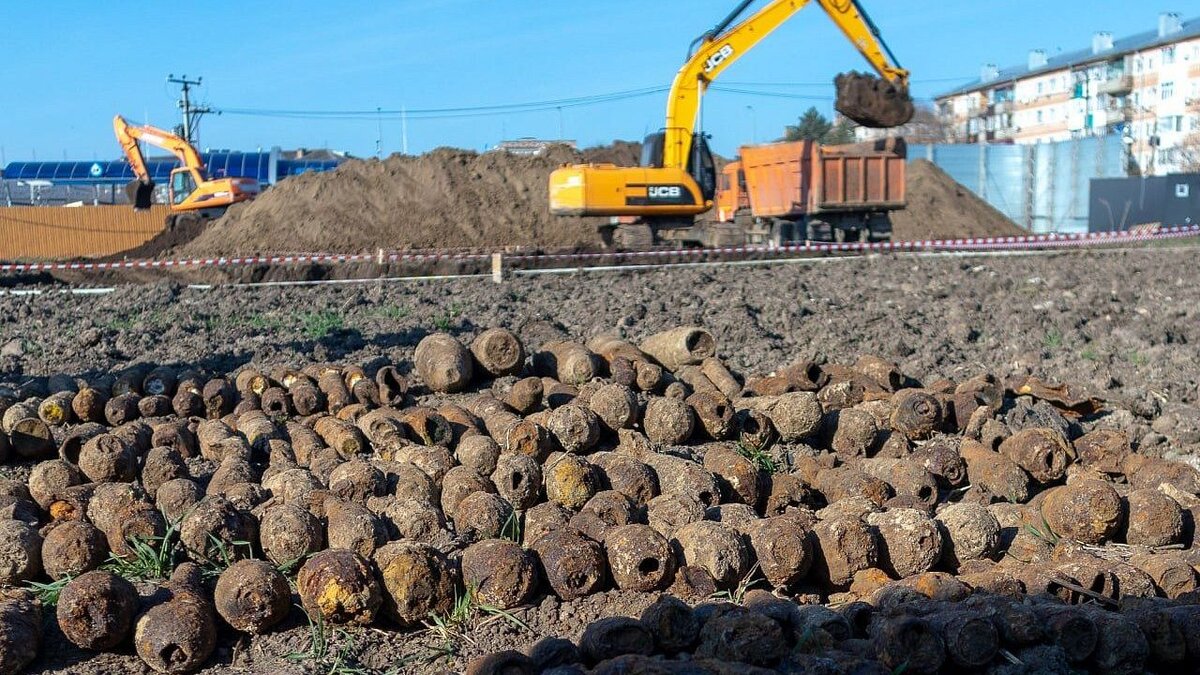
(941,208)
(445,198)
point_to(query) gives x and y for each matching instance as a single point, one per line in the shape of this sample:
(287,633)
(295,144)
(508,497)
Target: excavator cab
(183,184)
(700,166)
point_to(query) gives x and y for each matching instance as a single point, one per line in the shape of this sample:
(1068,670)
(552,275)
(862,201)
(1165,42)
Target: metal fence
(1043,188)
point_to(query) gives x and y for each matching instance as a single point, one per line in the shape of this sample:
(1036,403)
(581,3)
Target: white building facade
(1145,88)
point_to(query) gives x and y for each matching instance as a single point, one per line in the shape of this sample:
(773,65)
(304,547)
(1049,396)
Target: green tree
(812,126)
(841,133)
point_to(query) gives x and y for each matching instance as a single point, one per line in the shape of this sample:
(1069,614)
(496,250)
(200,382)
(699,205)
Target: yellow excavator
(677,177)
(192,195)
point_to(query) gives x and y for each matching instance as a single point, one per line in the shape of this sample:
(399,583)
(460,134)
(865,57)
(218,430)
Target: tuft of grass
(738,595)
(390,312)
(1044,532)
(153,558)
(451,628)
(1089,354)
(447,320)
(512,529)
(1053,339)
(1137,358)
(48,593)
(758,456)
(221,555)
(317,325)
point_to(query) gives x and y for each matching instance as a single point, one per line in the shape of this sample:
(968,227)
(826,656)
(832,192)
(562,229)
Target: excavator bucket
(140,194)
(871,101)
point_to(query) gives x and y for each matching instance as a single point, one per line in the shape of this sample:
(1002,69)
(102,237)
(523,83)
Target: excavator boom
(677,180)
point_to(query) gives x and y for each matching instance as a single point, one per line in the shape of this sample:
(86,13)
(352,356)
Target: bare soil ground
(1124,325)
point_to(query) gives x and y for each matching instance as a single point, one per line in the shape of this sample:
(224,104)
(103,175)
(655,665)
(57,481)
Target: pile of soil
(939,207)
(447,198)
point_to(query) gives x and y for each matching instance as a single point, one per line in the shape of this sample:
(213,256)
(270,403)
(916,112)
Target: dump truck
(801,190)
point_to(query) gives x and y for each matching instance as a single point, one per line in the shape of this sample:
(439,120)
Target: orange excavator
(192,194)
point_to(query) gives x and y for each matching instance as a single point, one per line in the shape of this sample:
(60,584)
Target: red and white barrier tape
(968,244)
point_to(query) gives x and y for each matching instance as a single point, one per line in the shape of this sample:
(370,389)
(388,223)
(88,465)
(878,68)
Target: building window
(1039,117)
(1137,65)
(1168,55)
(1168,90)
(1194,123)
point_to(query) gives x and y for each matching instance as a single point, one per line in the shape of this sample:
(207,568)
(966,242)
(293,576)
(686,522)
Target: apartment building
(1144,87)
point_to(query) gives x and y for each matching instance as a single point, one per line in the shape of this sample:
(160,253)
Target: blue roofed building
(1144,87)
(103,181)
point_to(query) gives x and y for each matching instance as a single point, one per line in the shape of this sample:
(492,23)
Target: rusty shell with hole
(681,346)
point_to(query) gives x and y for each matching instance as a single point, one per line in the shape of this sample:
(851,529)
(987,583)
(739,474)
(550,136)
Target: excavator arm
(129,135)
(722,46)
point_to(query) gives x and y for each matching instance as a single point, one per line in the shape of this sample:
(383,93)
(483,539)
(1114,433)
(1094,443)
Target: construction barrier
(71,232)
(518,260)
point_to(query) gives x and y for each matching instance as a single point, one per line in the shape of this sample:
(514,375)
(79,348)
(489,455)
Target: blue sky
(68,66)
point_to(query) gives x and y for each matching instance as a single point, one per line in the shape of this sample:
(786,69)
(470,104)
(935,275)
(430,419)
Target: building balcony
(1117,86)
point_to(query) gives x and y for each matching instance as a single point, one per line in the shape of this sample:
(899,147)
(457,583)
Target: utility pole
(191,113)
(379,137)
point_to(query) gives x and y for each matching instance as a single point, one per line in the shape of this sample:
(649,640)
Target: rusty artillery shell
(383,428)
(106,458)
(941,458)
(844,482)
(392,386)
(882,372)
(1149,472)
(56,410)
(482,515)
(574,565)
(744,636)
(971,641)
(715,547)
(88,405)
(854,432)
(1164,632)
(683,477)
(95,611)
(159,382)
(543,518)
(1103,449)
(276,402)
(909,541)
(626,475)
(518,479)
(1171,573)
(177,435)
(340,587)
(306,397)
(970,532)
(842,547)
(507,662)
(333,390)
(512,433)
(412,519)
(570,480)
(794,416)
(782,545)
(639,558)
(291,486)
(739,479)
(434,460)
(215,524)
(555,394)
(721,377)
(682,346)
(72,547)
(21,559)
(72,442)
(754,428)
(250,380)
(575,427)
(907,478)
(479,453)
(462,481)
(498,352)
(353,527)
(695,379)
(916,414)
(252,596)
(525,396)
(568,362)
(51,477)
(615,405)
(1088,511)
(30,438)
(672,623)
(908,640)
(714,412)
(289,533)
(418,581)
(137,522)
(426,426)
(176,636)
(500,573)
(1154,519)
(615,636)
(21,626)
(1121,647)
(154,406)
(604,511)
(355,480)
(219,398)
(69,504)
(994,472)
(342,436)
(1041,452)
(668,421)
